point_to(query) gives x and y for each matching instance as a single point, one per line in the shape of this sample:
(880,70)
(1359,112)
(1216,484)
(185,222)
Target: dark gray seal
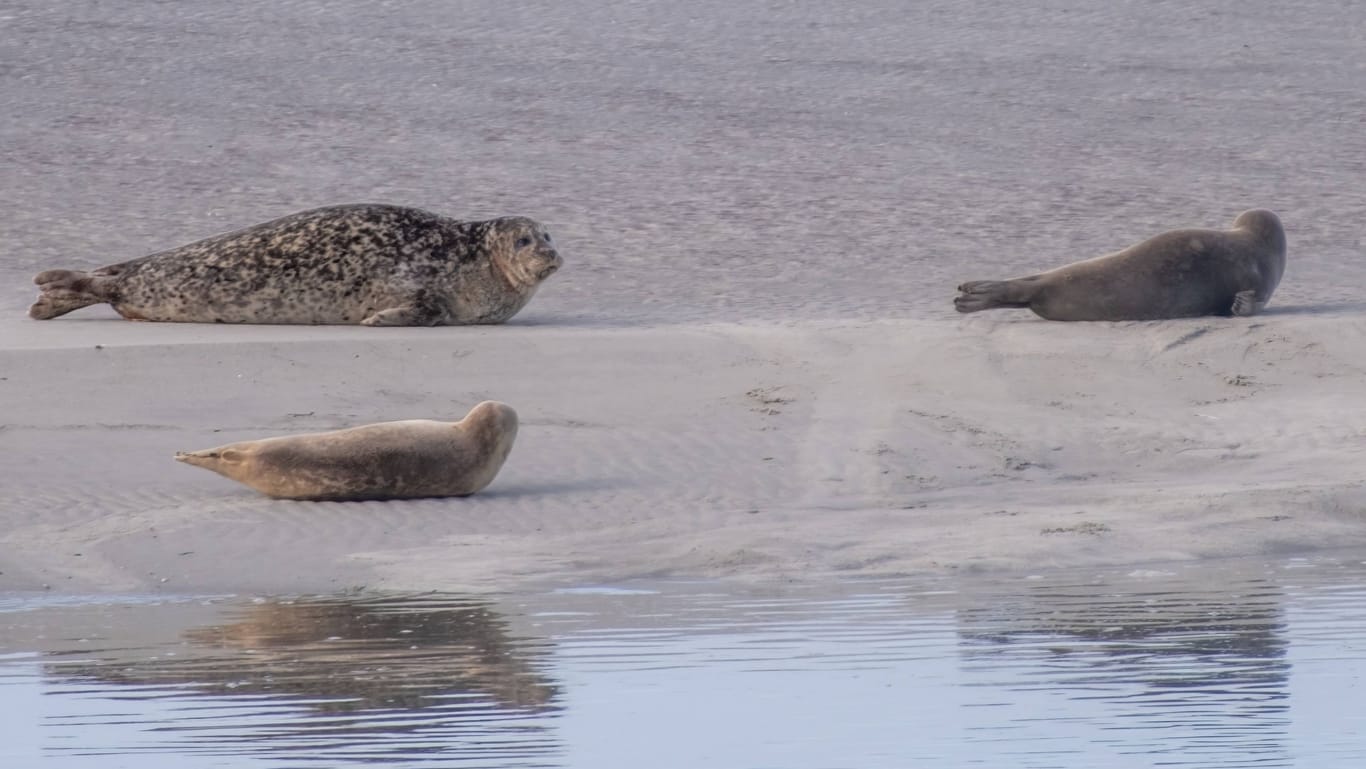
(390,460)
(1178,274)
(377,265)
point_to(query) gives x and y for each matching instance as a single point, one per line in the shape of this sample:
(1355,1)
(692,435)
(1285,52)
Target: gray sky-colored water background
(1232,664)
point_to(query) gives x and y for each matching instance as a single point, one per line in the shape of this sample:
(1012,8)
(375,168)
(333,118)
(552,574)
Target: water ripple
(1198,666)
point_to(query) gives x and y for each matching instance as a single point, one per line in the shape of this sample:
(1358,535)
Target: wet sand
(738,449)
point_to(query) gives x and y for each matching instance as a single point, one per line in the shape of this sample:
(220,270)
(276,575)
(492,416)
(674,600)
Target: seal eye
(523,241)
(546,236)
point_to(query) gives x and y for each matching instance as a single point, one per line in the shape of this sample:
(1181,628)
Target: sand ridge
(753,450)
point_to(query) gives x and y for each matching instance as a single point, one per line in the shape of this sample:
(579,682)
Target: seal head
(522,250)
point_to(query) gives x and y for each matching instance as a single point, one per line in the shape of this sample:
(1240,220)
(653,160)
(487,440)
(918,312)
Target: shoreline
(755,450)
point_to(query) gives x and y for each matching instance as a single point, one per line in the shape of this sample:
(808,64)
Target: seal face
(389,460)
(377,265)
(1178,274)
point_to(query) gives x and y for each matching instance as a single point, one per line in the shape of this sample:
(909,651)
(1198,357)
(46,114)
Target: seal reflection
(1208,665)
(344,654)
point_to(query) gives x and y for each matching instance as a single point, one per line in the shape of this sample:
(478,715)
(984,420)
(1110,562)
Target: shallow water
(1230,664)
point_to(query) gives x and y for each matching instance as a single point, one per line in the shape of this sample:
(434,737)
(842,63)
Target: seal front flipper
(991,294)
(406,315)
(61,291)
(1245,304)
(422,309)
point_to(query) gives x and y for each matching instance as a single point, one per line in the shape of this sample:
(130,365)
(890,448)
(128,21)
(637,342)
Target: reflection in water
(1209,668)
(344,655)
(1202,667)
(361,670)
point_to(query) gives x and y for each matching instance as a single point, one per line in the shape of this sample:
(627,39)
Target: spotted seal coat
(378,265)
(389,460)
(1178,274)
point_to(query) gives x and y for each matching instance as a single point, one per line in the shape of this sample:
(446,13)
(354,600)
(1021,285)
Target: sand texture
(749,364)
(751,450)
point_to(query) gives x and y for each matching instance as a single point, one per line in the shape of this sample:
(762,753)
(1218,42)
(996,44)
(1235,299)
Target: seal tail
(216,460)
(61,291)
(228,461)
(980,295)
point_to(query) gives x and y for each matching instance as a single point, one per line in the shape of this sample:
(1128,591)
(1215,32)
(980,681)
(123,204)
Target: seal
(377,265)
(1178,274)
(390,460)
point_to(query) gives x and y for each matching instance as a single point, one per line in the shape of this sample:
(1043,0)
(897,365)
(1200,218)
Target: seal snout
(547,262)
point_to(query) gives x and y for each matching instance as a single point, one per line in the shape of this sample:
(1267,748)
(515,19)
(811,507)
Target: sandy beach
(751,450)
(749,365)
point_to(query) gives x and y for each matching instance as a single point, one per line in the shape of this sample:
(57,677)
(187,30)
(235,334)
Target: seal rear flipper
(990,294)
(216,460)
(61,291)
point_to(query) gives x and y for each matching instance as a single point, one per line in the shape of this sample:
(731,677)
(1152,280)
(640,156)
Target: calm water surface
(1234,664)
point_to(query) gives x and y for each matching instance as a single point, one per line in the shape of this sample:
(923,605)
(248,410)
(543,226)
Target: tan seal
(373,264)
(389,460)
(1178,274)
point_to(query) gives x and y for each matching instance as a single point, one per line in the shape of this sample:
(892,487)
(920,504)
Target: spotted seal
(389,460)
(1178,274)
(378,265)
